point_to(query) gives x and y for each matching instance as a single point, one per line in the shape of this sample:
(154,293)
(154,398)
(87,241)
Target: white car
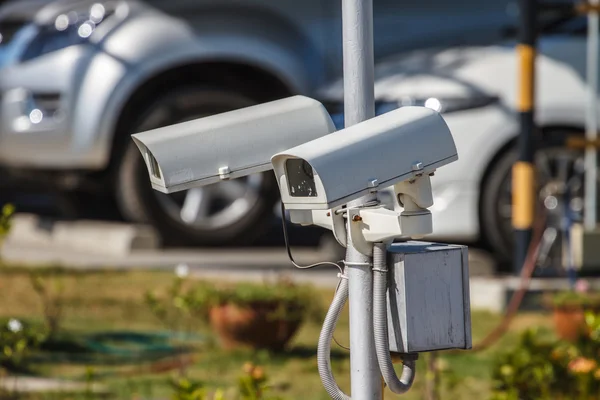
(475,88)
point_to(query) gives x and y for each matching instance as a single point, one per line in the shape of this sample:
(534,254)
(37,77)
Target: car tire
(138,202)
(499,176)
(497,229)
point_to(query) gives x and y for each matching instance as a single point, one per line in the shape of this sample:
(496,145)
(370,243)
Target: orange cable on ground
(517,298)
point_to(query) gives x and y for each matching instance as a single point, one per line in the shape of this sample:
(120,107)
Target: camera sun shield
(332,170)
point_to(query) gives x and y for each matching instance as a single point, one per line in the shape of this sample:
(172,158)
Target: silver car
(85,75)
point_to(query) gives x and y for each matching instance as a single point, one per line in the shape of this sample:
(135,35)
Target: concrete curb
(92,237)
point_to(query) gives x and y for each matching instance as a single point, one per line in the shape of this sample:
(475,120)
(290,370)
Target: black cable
(341,345)
(289,250)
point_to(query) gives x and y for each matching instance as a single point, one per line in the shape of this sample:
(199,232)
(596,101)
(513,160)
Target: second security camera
(332,170)
(229,145)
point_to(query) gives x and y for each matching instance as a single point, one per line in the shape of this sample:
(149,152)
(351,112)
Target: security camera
(229,145)
(402,145)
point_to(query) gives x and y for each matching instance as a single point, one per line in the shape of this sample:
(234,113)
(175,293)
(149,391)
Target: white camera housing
(331,171)
(229,145)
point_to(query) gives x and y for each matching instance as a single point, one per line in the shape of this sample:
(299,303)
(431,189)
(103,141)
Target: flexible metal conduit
(324,347)
(382,343)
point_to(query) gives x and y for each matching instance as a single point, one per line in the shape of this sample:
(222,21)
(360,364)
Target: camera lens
(301,179)
(307,169)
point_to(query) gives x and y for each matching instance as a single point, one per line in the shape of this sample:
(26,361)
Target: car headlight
(439,104)
(68,29)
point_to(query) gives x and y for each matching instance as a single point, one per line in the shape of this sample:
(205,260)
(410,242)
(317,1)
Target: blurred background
(103,280)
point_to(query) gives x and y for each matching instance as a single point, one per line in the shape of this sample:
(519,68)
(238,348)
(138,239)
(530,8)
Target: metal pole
(357,20)
(591,121)
(523,173)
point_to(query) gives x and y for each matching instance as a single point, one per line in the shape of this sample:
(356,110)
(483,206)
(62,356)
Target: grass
(104,301)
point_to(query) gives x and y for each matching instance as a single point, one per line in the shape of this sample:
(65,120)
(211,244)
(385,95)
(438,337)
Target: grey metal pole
(357,20)
(591,121)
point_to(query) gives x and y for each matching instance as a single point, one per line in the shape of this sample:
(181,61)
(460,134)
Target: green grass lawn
(107,301)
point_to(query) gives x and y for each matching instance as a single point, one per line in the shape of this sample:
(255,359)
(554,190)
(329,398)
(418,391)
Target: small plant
(186,389)
(50,288)
(90,377)
(526,372)
(5,218)
(544,370)
(168,307)
(440,378)
(17,341)
(6,214)
(592,320)
(171,308)
(252,385)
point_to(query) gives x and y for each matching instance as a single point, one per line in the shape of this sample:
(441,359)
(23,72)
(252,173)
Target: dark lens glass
(301,179)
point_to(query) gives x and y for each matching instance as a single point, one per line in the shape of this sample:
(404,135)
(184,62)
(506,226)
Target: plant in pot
(257,315)
(569,308)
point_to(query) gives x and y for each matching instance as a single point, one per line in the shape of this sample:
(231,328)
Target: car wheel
(235,211)
(555,165)
(496,207)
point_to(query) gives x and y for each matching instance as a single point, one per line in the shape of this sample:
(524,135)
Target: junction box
(428,297)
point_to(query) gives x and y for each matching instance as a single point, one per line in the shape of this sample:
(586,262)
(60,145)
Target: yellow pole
(523,173)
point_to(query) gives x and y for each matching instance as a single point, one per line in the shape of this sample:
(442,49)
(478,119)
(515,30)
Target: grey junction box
(428,297)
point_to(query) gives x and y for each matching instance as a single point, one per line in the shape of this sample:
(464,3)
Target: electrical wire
(289,250)
(289,253)
(341,345)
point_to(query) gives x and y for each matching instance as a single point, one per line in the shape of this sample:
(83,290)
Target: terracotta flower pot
(569,322)
(252,326)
